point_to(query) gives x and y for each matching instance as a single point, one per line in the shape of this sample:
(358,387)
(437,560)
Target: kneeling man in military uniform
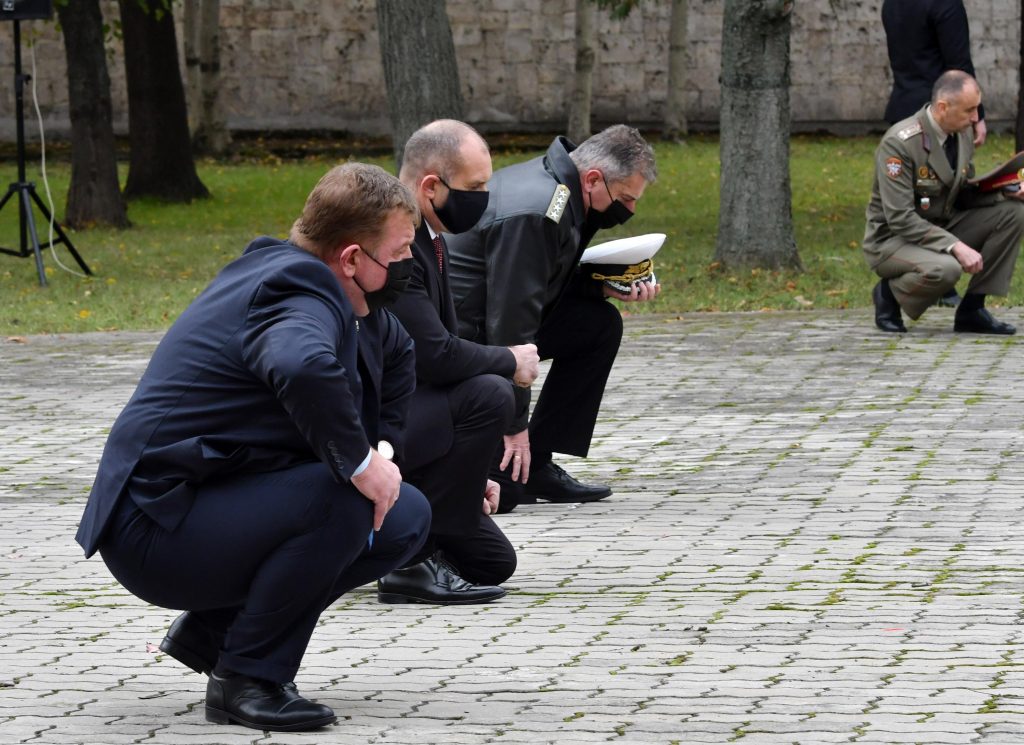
(926,224)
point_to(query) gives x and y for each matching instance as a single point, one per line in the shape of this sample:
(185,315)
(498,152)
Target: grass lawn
(145,276)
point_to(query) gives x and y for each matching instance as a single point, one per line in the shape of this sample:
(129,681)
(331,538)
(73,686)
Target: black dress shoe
(887,311)
(261,704)
(980,321)
(433,581)
(552,483)
(192,643)
(950,300)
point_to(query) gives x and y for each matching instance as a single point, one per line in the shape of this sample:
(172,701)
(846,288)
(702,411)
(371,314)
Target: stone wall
(315,64)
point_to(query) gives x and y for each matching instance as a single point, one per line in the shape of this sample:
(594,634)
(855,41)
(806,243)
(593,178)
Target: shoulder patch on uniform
(558,201)
(893,167)
(907,132)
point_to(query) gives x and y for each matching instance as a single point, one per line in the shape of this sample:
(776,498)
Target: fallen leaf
(803,301)
(152,648)
(18,339)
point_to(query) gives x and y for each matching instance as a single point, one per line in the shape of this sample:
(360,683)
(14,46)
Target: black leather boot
(262,704)
(887,309)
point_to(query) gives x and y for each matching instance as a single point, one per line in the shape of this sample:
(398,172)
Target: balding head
(440,157)
(955,101)
(953,84)
(436,148)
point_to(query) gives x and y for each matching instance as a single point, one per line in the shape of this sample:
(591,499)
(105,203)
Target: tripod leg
(11,190)
(62,236)
(27,216)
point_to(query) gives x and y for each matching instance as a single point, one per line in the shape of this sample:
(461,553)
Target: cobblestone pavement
(814,538)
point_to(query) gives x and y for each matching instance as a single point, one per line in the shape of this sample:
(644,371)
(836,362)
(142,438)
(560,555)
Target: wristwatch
(386,451)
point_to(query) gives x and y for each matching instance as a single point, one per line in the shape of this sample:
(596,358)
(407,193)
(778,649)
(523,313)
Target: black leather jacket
(511,269)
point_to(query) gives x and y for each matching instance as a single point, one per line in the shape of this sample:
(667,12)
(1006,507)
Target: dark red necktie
(439,251)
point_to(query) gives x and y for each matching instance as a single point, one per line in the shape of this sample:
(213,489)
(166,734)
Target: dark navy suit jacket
(427,312)
(925,38)
(258,374)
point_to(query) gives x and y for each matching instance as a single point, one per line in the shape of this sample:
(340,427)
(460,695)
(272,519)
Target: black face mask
(616,214)
(462,210)
(395,284)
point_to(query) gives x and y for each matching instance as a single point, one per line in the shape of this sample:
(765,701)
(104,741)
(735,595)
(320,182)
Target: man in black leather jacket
(515,278)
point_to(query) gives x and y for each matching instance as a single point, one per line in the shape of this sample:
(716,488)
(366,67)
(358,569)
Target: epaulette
(907,132)
(558,201)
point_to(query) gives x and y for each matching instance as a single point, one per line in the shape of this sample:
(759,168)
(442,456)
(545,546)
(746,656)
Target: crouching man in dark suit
(240,483)
(463,402)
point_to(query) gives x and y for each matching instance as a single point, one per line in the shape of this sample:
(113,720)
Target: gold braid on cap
(630,274)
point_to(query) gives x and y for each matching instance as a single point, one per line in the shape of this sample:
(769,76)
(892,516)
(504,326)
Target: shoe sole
(185,656)
(571,500)
(219,716)
(395,598)
(984,331)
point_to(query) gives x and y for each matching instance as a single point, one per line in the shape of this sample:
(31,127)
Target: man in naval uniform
(516,280)
(925,223)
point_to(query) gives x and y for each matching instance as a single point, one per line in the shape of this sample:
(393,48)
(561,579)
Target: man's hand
(527,364)
(379,482)
(517,452)
(969,259)
(641,292)
(492,496)
(980,133)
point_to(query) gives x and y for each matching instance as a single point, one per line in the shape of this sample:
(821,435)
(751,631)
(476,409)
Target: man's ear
(344,262)
(428,185)
(592,178)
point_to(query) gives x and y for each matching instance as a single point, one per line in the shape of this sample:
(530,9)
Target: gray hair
(951,84)
(618,152)
(436,148)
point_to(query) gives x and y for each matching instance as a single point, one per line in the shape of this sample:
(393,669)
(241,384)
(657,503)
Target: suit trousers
(919,276)
(260,556)
(481,409)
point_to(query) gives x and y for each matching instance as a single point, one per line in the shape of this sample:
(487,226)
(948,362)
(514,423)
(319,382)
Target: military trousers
(919,276)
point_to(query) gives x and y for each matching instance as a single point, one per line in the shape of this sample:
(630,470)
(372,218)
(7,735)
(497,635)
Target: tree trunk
(161,163)
(578,128)
(1018,130)
(420,71)
(755,220)
(94,196)
(676,127)
(193,81)
(211,136)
